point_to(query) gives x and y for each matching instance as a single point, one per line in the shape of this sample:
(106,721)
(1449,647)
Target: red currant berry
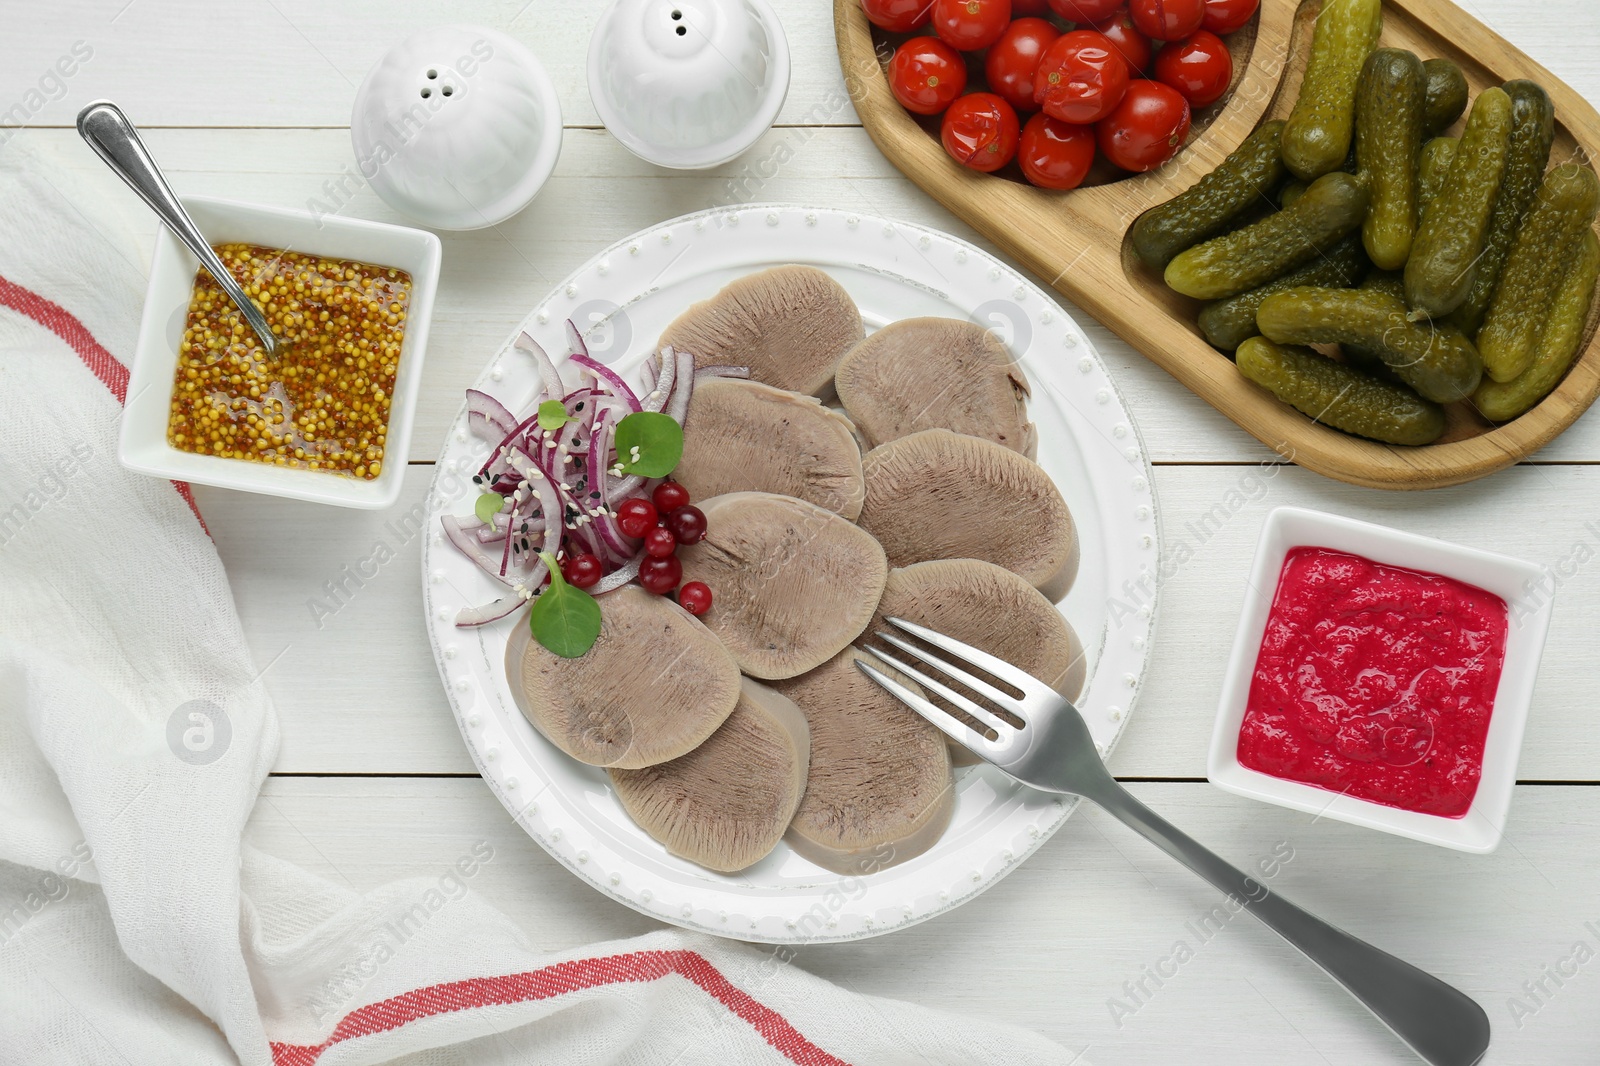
(695,597)
(582,571)
(670,496)
(661,575)
(688,524)
(636,517)
(660,543)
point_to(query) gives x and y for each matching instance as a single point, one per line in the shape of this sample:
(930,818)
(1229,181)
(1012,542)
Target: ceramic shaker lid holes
(688,84)
(457,127)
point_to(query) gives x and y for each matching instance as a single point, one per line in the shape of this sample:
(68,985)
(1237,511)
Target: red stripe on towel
(112,374)
(557,980)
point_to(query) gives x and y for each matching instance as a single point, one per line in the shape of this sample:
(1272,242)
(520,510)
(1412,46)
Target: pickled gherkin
(1243,180)
(1445,253)
(1544,249)
(1533,128)
(1340,396)
(1393,283)
(1389,102)
(1558,342)
(1333,206)
(1445,88)
(1226,323)
(1433,166)
(1292,190)
(1437,361)
(1317,136)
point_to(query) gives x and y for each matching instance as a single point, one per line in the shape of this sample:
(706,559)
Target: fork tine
(978,685)
(970,739)
(989,664)
(977,710)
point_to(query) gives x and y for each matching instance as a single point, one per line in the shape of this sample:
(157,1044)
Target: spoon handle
(113,138)
(1442,1025)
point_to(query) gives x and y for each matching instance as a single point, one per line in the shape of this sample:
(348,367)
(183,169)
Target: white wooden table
(374,783)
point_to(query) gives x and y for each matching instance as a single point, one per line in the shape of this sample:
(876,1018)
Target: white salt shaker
(457,127)
(688,84)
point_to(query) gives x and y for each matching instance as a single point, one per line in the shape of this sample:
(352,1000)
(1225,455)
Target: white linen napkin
(134,927)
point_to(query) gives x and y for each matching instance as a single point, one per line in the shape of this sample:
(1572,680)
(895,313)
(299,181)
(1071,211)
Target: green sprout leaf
(553,415)
(649,444)
(565,620)
(488,505)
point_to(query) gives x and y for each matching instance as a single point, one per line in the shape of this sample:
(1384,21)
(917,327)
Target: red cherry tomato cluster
(1062,81)
(662,522)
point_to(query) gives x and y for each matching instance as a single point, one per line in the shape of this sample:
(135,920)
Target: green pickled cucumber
(1393,283)
(1318,132)
(1292,190)
(1446,89)
(1437,361)
(1239,182)
(1563,209)
(1558,343)
(1445,253)
(1226,323)
(1333,206)
(1433,166)
(1533,127)
(1388,137)
(1339,396)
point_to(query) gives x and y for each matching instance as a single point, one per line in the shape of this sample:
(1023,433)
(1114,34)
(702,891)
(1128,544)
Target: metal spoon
(114,140)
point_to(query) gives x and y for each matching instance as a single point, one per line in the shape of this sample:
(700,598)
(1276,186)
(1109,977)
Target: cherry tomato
(582,571)
(1133,46)
(695,597)
(1029,8)
(669,496)
(1081,78)
(1055,154)
(661,575)
(970,24)
(898,16)
(1014,59)
(1225,16)
(1200,68)
(1147,128)
(980,131)
(636,517)
(1081,11)
(926,74)
(1167,20)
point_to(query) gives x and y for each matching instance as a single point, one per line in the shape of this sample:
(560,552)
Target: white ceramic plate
(622,299)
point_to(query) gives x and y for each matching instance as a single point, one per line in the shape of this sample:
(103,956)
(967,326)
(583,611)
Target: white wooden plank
(1050,946)
(492,278)
(298,62)
(357,690)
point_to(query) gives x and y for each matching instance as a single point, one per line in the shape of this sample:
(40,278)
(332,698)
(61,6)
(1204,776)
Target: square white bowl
(143,445)
(1481,828)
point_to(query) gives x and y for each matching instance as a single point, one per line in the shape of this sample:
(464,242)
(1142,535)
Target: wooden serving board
(1075,240)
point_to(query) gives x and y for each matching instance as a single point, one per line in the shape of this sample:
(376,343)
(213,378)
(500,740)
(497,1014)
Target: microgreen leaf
(553,415)
(564,619)
(649,444)
(488,505)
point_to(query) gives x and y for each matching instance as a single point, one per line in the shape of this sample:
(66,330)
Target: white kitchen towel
(135,928)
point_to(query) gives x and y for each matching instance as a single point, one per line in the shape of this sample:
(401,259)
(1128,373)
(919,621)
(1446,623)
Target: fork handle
(1440,1023)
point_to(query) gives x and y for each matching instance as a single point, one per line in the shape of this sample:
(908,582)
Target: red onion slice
(548,375)
(620,576)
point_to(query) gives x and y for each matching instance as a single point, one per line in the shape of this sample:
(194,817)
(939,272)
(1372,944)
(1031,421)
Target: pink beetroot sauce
(1375,681)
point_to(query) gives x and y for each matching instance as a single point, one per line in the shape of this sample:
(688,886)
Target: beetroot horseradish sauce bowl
(1380,678)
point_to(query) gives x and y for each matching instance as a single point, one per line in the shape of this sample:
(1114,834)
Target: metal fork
(1053,751)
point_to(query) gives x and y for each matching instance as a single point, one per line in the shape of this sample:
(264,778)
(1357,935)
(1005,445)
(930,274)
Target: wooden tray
(1076,240)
